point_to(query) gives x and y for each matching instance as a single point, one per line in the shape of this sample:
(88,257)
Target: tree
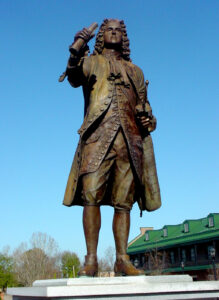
(7,278)
(38,261)
(156,261)
(45,242)
(110,256)
(70,264)
(103,265)
(106,264)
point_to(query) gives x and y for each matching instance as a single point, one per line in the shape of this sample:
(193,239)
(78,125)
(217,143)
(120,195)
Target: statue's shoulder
(93,59)
(135,70)
(88,59)
(90,63)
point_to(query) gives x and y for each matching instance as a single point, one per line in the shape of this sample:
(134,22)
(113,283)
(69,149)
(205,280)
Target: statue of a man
(114,162)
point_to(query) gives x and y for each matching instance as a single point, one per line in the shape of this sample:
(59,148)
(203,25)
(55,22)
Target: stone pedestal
(140,287)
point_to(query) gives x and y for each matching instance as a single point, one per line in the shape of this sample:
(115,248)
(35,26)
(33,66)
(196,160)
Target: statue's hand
(148,123)
(145,122)
(81,40)
(84,34)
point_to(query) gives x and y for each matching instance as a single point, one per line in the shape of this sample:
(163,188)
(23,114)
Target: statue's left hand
(147,123)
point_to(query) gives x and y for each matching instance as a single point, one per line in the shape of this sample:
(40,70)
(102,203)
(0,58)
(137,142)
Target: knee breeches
(113,182)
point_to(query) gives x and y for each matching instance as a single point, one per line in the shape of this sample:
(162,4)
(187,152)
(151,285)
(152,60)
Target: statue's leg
(94,188)
(91,223)
(121,226)
(123,198)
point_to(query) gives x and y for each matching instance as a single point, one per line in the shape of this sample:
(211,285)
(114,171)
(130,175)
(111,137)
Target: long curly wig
(99,45)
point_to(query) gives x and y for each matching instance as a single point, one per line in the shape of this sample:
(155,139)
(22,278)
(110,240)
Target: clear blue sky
(176,45)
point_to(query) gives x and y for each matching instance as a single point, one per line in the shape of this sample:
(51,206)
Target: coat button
(96,164)
(101,108)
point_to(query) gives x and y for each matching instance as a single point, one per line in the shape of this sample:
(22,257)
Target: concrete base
(141,287)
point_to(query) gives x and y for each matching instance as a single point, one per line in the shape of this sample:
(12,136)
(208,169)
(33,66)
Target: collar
(111,55)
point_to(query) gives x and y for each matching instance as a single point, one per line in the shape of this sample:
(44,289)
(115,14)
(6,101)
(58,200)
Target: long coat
(93,73)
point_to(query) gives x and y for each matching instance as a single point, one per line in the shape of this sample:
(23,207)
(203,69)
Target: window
(183,255)
(192,254)
(147,236)
(172,257)
(186,227)
(211,252)
(211,221)
(165,232)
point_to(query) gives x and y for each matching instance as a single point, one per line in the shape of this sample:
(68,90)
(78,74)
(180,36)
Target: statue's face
(113,34)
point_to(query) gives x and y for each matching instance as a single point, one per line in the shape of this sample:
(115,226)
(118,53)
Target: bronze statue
(114,162)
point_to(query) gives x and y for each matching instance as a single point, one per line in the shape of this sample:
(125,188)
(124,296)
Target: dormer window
(147,236)
(211,221)
(165,232)
(186,227)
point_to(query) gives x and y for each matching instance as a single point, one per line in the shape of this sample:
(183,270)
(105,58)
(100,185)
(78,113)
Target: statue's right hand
(82,38)
(84,34)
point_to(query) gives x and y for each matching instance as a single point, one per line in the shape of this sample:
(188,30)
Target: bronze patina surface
(114,162)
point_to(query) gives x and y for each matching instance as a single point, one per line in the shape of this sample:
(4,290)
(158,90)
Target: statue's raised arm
(79,46)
